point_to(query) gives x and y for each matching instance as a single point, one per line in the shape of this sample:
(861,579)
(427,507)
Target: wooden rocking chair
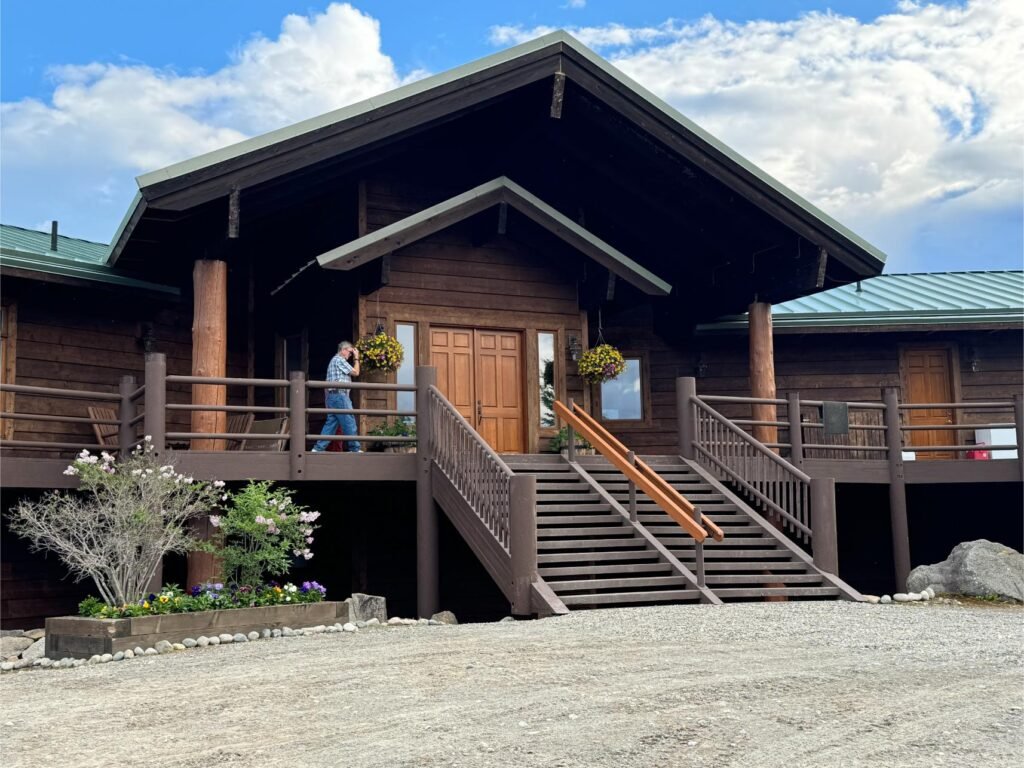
(106,434)
(267,427)
(238,424)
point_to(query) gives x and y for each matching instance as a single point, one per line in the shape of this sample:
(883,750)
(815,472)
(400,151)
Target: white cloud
(107,119)
(576,4)
(879,123)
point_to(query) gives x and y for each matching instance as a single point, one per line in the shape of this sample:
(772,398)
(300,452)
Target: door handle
(479,413)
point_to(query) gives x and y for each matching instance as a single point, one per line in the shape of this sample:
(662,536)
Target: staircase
(754,560)
(591,555)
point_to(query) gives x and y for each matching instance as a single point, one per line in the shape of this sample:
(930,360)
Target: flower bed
(80,637)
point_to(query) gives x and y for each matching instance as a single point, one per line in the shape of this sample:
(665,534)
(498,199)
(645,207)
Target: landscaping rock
(106,658)
(35,651)
(350,627)
(239,638)
(213,640)
(129,654)
(189,642)
(361,624)
(151,651)
(979,568)
(873,599)
(254,635)
(445,617)
(365,607)
(119,656)
(178,646)
(275,633)
(45,662)
(901,597)
(34,634)
(163,646)
(422,621)
(202,641)
(287,632)
(12,645)
(885,600)
(374,622)
(266,634)
(140,651)
(7,666)
(224,637)
(22,664)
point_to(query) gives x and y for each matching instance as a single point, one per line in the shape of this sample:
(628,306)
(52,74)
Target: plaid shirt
(339,370)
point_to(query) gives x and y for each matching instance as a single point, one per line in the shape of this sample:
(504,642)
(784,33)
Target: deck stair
(589,553)
(752,562)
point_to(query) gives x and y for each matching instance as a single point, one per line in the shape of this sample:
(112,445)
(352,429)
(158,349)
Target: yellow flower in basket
(380,352)
(601,363)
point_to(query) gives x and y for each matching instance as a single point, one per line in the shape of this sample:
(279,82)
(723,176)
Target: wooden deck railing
(144,410)
(871,435)
(476,471)
(646,480)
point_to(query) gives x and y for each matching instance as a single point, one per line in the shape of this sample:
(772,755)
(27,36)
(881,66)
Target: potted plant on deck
(560,443)
(397,428)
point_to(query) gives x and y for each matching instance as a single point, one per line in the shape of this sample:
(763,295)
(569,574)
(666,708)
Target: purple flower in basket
(196,590)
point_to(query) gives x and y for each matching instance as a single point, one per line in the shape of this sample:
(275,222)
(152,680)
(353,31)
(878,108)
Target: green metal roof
(33,241)
(923,298)
(869,258)
(28,251)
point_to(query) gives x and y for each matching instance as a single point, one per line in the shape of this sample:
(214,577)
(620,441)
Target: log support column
(209,358)
(762,370)
(427,549)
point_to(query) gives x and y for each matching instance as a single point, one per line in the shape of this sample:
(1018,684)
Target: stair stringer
(486,547)
(845,590)
(706,595)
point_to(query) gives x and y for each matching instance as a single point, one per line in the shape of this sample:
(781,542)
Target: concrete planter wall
(80,637)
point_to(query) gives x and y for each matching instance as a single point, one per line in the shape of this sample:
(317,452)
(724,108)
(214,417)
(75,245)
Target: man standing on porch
(342,368)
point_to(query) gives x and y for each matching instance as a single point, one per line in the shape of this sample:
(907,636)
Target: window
(546,371)
(622,398)
(8,337)
(406,374)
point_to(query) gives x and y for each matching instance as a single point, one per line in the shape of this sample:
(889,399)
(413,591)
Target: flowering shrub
(380,352)
(128,513)
(260,533)
(396,428)
(601,363)
(206,597)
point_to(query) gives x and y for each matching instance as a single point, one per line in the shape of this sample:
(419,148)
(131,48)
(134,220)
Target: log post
(762,370)
(796,430)
(209,348)
(686,390)
(296,424)
(824,537)
(523,540)
(1018,419)
(125,414)
(209,358)
(897,489)
(154,418)
(427,553)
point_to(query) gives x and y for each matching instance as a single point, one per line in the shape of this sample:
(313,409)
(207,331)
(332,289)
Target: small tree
(261,532)
(127,514)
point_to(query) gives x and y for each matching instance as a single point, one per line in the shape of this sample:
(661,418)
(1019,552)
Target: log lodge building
(498,220)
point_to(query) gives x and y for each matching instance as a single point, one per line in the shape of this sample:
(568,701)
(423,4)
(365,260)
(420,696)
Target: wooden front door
(928,378)
(481,373)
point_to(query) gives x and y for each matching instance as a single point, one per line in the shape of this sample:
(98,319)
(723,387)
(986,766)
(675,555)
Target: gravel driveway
(763,685)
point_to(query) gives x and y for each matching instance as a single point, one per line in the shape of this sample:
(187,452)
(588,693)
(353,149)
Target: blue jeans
(346,421)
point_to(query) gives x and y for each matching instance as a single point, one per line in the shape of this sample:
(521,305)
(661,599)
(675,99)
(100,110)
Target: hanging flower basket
(380,352)
(601,363)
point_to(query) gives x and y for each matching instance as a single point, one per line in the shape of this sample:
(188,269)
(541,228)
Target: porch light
(574,348)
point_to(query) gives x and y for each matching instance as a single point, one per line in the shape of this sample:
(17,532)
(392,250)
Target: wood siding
(472,277)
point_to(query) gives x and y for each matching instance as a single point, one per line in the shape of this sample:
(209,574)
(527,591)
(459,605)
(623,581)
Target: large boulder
(981,568)
(365,607)
(12,645)
(35,651)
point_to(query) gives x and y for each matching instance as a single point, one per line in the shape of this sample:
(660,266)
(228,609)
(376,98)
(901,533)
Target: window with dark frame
(622,399)
(406,374)
(546,374)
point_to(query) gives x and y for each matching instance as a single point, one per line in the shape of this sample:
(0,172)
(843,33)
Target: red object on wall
(979,454)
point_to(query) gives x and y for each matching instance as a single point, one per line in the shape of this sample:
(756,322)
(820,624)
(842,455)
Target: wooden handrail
(673,503)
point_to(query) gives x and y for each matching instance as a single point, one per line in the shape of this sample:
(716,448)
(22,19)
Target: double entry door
(481,374)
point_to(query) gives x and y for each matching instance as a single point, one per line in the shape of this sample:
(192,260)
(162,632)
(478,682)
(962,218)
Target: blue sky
(902,120)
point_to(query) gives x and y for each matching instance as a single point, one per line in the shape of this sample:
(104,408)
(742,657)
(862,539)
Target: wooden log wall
(86,338)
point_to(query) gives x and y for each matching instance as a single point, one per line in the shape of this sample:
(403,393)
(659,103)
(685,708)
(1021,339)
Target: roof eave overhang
(868,322)
(460,207)
(34,266)
(349,128)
